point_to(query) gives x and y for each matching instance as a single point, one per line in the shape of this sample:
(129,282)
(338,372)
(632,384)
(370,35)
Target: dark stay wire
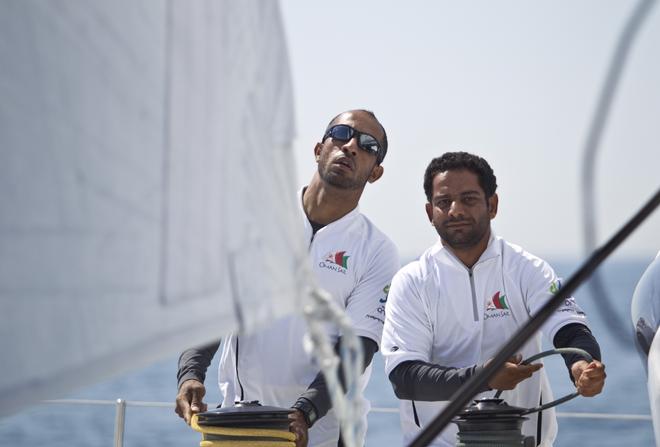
(598,291)
(465,393)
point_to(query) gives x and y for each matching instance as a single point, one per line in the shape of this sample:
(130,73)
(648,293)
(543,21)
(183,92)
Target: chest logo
(337,261)
(497,307)
(497,302)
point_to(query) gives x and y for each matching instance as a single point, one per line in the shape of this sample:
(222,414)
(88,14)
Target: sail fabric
(645,310)
(653,385)
(147,185)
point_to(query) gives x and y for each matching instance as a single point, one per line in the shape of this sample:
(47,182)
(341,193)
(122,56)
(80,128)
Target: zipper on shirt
(475,308)
(475,312)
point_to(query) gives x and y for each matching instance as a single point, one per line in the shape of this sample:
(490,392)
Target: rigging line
(163,265)
(461,397)
(598,123)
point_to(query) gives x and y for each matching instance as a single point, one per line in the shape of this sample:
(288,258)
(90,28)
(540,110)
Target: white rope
(319,312)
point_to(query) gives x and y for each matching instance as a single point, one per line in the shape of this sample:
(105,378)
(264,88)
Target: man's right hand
(189,399)
(512,373)
(298,426)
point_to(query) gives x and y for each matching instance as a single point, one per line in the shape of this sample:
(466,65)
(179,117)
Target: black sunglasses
(365,141)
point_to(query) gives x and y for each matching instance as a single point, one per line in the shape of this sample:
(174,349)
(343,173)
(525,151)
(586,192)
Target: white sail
(147,198)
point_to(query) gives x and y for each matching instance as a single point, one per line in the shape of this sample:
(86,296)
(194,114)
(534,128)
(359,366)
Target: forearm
(576,335)
(193,362)
(318,395)
(417,380)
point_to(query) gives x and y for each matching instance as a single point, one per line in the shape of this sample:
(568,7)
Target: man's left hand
(298,426)
(589,377)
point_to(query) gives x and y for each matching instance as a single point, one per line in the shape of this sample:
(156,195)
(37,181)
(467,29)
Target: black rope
(598,291)
(463,395)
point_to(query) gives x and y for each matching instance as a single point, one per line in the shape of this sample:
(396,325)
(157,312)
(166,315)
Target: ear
(492,206)
(376,173)
(317,151)
(429,211)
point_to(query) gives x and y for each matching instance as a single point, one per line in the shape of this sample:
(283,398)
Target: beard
(341,180)
(466,236)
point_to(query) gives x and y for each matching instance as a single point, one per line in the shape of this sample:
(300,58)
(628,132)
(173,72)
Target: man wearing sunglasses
(352,260)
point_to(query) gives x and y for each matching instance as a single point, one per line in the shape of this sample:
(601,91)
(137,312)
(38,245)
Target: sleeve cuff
(307,408)
(190,375)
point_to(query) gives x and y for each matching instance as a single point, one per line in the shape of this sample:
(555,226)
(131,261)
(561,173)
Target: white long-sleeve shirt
(355,262)
(441,312)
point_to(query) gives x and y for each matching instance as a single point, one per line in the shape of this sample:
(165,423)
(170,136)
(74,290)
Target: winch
(246,424)
(491,422)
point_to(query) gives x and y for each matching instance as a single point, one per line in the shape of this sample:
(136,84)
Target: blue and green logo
(386,291)
(555,286)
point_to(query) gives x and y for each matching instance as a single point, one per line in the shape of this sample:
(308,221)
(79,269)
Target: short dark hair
(381,155)
(452,161)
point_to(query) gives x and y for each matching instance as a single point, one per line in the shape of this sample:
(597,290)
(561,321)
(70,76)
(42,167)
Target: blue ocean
(59,425)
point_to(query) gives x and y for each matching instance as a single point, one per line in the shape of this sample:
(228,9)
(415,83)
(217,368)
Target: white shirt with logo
(355,262)
(441,312)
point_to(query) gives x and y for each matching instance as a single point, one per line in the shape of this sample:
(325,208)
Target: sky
(513,81)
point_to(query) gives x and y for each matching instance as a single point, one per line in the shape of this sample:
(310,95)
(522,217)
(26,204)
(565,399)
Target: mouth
(462,224)
(345,162)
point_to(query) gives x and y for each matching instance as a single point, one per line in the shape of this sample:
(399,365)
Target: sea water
(625,392)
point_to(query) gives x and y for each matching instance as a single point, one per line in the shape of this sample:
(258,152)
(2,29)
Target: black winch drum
(491,422)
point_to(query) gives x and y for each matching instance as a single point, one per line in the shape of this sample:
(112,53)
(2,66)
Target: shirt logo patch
(497,302)
(497,307)
(555,286)
(386,291)
(569,305)
(337,261)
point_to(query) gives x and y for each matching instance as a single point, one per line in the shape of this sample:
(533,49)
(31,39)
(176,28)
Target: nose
(456,209)
(350,147)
